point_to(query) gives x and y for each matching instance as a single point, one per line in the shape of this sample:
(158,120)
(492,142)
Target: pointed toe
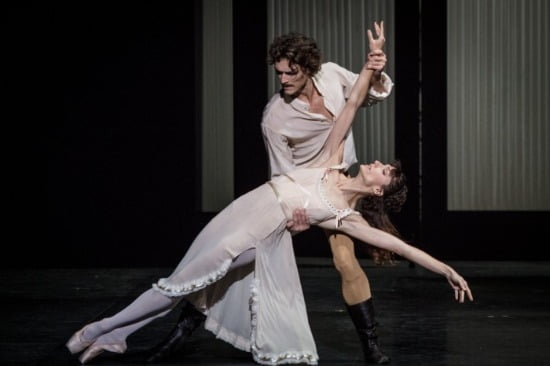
(76,344)
(95,350)
(91,353)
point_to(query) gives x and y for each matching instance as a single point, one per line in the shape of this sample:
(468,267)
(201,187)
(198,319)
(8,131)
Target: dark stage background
(103,102)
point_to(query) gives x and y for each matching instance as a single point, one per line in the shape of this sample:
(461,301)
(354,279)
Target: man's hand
(376,60)
(299,222)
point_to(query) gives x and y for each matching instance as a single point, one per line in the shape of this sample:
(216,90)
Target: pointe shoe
(76,344)
(95,350)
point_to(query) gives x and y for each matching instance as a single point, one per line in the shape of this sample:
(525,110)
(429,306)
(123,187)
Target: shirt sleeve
(375,96)
(348,78)
(278,151)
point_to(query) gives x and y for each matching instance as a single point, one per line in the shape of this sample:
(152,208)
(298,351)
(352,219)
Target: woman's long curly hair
(298,49)
(376,210)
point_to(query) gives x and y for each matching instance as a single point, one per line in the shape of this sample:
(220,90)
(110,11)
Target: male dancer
(295,125)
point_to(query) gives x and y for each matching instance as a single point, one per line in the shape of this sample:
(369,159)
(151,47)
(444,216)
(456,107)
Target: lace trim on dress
(339,213)
(270,358)
(167,289)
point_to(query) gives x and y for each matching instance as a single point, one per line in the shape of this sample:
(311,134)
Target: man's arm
(378,92)
(381,87)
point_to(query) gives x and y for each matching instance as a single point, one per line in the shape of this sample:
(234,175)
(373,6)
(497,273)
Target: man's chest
(317,106)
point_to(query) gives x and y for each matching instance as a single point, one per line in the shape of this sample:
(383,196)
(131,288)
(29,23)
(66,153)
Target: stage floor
(420,323)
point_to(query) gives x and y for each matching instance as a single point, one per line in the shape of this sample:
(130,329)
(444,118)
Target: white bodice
(305,188)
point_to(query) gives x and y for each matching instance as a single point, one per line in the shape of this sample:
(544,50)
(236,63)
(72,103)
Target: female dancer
(263,311)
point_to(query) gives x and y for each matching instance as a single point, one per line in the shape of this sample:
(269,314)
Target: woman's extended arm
(357,227)
(356,98)
(344,120)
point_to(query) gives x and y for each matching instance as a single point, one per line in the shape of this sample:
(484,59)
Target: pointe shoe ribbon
(95,350)
(76,344)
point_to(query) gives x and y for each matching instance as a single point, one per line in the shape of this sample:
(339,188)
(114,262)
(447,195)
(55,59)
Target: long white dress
(259,308)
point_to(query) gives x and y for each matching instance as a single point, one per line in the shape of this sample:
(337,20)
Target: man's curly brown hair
(376,210)
(298,49)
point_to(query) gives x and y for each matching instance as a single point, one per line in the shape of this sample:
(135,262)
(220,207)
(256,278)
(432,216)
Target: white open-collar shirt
(294,136)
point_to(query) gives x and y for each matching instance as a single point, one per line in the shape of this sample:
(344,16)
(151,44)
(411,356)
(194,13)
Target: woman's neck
(352,188)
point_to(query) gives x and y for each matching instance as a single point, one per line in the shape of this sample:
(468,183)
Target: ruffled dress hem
(289,357)
(171,290)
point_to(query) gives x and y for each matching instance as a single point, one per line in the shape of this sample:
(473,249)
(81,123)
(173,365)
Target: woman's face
(376,175)
(292,78)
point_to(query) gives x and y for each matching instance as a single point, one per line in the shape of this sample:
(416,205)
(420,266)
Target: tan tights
(355,284)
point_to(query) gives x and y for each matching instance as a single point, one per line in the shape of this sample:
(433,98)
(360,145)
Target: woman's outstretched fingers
(465,289)
(469,293)
(379,28)
(460,287)
(378,42)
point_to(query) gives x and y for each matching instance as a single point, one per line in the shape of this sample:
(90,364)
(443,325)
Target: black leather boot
(189,320)
(362,315)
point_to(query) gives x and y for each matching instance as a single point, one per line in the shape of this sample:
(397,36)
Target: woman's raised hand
(376,44)
(376,59)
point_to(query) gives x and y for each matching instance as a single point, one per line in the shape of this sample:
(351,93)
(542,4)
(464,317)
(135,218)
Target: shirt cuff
(375,96)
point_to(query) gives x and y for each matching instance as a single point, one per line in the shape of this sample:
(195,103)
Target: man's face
(292,78)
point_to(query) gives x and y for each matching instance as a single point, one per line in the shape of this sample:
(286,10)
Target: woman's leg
(246,257)
(119,335)
(190,318)
(148,306)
